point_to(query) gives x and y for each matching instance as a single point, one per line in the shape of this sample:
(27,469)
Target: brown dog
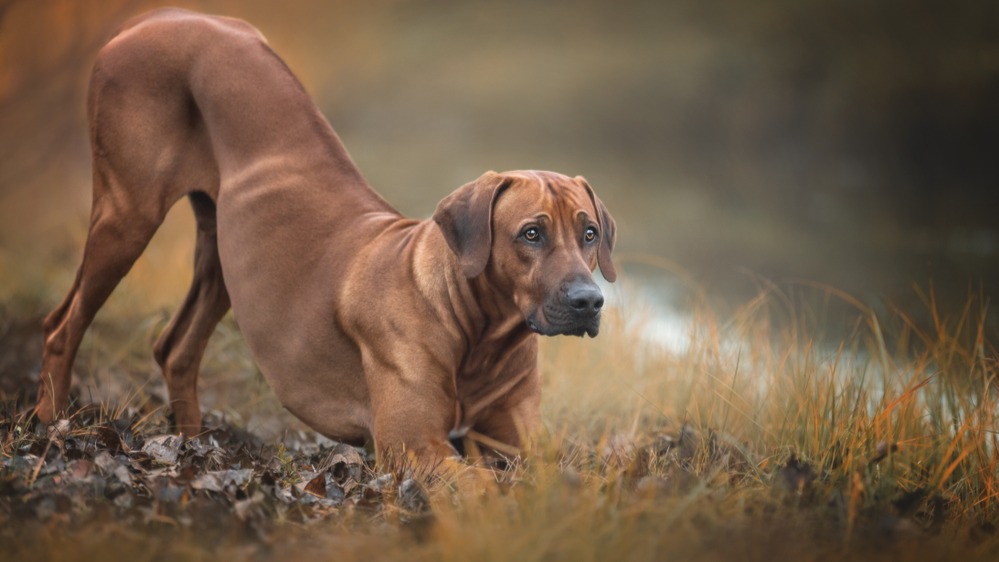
(366,324)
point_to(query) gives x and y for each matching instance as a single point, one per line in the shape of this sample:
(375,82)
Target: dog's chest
(489,375)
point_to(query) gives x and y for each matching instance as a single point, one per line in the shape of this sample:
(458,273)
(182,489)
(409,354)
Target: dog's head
(538,236)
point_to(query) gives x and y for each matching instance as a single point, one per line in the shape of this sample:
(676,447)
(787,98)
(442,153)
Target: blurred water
(651,310)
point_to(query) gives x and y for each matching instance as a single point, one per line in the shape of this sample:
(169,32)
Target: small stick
(38,465)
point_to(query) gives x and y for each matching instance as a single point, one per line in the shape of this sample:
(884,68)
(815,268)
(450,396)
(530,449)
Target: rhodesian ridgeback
(368,325)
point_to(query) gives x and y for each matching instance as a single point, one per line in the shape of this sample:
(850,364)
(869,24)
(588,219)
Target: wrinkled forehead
(532,192)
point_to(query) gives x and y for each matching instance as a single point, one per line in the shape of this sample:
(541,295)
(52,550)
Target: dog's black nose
(585,298)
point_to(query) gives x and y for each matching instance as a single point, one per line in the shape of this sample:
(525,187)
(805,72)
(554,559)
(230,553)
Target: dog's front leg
(412,407)
(511,423)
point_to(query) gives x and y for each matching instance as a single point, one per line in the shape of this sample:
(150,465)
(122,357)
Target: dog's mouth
(566,327)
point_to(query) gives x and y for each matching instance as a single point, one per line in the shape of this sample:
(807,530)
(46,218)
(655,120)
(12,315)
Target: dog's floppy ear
(465,218)
(608,233)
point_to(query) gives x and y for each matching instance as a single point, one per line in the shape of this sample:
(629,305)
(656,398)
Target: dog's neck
(499,318)
(501,351)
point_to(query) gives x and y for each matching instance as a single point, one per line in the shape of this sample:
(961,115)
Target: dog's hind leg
(149,150)
(180,347)
(117,236)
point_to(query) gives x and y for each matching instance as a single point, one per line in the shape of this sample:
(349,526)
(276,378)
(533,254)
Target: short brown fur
(367,325)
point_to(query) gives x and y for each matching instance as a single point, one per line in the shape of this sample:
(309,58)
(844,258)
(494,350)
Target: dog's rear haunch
(367,325)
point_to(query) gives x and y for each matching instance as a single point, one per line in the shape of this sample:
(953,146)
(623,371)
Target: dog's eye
(531,234)
(590,234)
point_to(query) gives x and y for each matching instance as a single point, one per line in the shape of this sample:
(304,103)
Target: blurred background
(850,143)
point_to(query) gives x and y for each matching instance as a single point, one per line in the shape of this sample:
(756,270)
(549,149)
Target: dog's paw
(466,479)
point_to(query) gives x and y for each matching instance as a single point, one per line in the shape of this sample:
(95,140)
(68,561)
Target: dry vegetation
(755,439)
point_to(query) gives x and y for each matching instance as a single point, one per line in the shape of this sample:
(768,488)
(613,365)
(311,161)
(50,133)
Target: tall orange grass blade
(942,473)
(953,466)
(905,396)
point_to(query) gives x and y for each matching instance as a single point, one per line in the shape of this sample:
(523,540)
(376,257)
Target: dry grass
(763,436)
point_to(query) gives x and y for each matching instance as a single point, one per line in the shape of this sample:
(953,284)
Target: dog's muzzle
(574,311)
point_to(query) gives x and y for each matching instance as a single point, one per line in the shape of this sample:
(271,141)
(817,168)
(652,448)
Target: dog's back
(186,104)
(147,122)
